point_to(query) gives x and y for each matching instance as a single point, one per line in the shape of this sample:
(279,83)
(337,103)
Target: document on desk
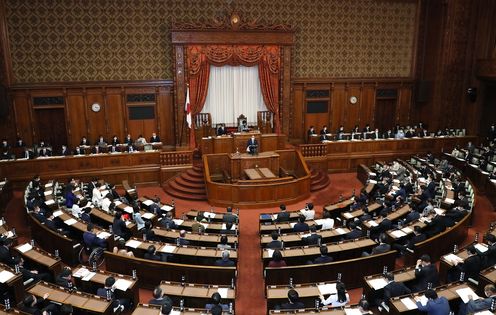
(166,208)
(407,230)
(57,213)
(5,276)
(224,227)
(24,248)
(133,243)
(352,311)
(347,215)
(270,252)
(210,215)
(340,231)
(50,202)
(88,276)
(122,284)
(71,221)
(148,216)
(378,283)
(481,247)
(372,223)
(178,221)
(329,288)
(81,273)
(464,293)
(103,235)
(167,249)
(409,303)
(398,233)
(453,259)
(148,202)
(222,292)
(128,209)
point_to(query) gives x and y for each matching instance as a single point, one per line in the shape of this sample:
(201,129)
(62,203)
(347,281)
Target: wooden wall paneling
(297,122)
(338,106)
(404,103)
(149,127)
(22,115)
(286,90)
(352,111)
(96,120)
(115,113)
(165,110)
(316,119)
(77,116)
(135,128)
(367,106)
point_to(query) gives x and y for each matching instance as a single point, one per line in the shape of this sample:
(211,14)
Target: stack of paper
(352,311)
(340,231)
(71,221)
(57,213)
(270,252)
(24,248)
(5,276)
(122,284)
(378,283)
(409,303)
(148,202)
(372,223)
(50,202)
(210,215)
(148,216)
(167,249)
(329,288)
(178,221)
(81,273)
(222,292)
(398,233)
(166,208)
(464,294)
(133,243)
(88,276)
(48,192)
(103,235)
(453,259)
(481,247)
(128,209)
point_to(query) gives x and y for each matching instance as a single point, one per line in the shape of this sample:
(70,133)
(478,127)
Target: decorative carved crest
(231,21)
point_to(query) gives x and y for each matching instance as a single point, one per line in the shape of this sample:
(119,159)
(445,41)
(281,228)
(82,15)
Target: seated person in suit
(383,247)
(354,233)
(301,226)
(28,273)
(197,227)
(215,306)
(20,143)
(252,145)
(44,152)
(324,257)
(28,154)
(355,133)
(230,229)
(324,130)
(154,138)
(225,261)
(65,150)
(435,305)
(115,141)
(5,255)
(481,304)
(471,266)
(275,243)
(324,137)
(339,133)
(314,238)
(91,240)
(36,306)
(489,256)
(417,237)
(282,216)
(376,135)
(310,132)
(141,140)
(181,240)
(367,128)
(221,130)
(101,141)
(128,140)
(393,288)
(84,142)
(119,226)
(131,148)
(341,298)
(223,243)
(168,221)
(108,291)
(78,151)
(151,254)
(293,303)
(121,249)
(425,273)
(64,278)
(229,216)
(159,298)
(277,260)
(244,126)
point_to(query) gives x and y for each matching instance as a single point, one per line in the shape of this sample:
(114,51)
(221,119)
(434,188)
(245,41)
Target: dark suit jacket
(411,216)
(425,275)
(282,216)
(6,257)
(91,240)
(275,244)
(381,248)
(119,227)
(161,301)
(322,259)
(292,306)
(313,239)
(489,256)
(394,289)
(224,263)
(471,266)
(301,227)
(229,217)
(356,233)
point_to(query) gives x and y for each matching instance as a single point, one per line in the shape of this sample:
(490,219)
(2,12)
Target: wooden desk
(90,281)
(308,293)
(79,300)
(14,285)
(208,240)
(252,173)
(339,251)
(197,295)
(287,227)
(181,254)
(147,271)
(238,141)
(448,291)
(267,192)
(373,285)
(322,311)
(352,270)
(145,309)
(487,276)
(38,257)
(212,227)
(297,239)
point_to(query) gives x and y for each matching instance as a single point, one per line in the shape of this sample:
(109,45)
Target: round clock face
(95,107)
(353,100)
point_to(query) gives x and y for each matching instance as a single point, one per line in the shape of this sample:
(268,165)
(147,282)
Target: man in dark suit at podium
(252,146)
(221,130)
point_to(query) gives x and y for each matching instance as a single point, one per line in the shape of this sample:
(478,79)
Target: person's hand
(46,295)
(418,262)
(34,271)
(470,297)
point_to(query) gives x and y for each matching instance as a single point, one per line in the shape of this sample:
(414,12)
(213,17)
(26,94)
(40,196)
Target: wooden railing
(173,158)
(313,150)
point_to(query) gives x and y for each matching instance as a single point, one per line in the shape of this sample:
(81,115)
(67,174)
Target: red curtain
(200,57)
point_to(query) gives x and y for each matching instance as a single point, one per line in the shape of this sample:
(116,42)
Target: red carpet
(250,285)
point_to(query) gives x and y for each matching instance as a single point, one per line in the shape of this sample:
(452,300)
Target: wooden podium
(238,140)
(265,179)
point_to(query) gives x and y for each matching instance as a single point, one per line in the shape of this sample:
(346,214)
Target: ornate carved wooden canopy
(229,30)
